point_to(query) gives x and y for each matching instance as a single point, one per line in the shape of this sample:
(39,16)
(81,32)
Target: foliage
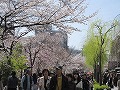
(15,62)
(5,70)
(99,39)
(17,59)
(98,87)
(89,52)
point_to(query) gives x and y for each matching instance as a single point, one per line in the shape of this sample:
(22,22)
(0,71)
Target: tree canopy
(99,38)
(38,15)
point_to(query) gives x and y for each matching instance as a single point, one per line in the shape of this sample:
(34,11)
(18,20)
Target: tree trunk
(100,65)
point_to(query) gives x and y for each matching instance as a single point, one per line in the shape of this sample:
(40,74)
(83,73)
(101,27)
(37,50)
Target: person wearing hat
(59,81)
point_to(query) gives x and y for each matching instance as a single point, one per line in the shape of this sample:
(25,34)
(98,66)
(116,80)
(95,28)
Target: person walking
(44,81)
(26,81)
(34,86)
(115,79)
(12,82)
(105,78)
(110,80)
(1,84)
(59,81)
(77,80)
(91,82)
(71,84)
(85,82)
(118,84)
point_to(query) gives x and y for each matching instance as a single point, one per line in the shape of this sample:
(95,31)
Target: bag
(79,85)
(5,88)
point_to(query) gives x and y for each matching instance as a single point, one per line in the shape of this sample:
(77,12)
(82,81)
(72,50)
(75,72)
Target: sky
(107,11)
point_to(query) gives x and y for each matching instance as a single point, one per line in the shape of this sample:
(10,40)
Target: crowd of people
(49,81)
(57,81)
(111,79)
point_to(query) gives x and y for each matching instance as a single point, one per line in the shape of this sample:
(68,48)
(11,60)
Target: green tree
(17,62)
(97,46)
(5,70)
(17,58)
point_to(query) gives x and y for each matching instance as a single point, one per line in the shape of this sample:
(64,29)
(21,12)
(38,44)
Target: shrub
(98,87)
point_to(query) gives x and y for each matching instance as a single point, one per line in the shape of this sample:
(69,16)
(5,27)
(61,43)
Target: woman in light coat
(43,82)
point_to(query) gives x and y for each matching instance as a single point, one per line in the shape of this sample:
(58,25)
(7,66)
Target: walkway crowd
(57,81)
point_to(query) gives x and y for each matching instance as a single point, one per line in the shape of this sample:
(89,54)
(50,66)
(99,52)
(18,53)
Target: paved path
(115,88)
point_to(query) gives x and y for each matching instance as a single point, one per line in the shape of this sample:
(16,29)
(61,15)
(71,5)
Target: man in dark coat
(85,82)
(59,81)
(71,84)
(12,81)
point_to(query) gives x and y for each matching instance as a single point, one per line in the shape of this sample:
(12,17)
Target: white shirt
(40,82)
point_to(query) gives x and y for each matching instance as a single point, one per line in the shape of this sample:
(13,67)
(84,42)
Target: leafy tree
(18,59)
(17,62)
(5,70)
(97,47)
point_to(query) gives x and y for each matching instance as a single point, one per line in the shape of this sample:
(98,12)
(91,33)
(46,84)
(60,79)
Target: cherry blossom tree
(46,51)
(31,50)
(19,17)
(31,14)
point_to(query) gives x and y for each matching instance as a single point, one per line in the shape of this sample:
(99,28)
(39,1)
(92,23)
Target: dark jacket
(12,82)
(71,85)
(85,84)
(53,83)
(25,82)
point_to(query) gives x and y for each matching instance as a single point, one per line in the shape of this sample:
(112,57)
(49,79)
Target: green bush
(95,82)
(98,87)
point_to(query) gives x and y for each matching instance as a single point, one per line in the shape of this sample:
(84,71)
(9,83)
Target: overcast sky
(107,11)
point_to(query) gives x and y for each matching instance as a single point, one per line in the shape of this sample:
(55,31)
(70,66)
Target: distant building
(43,28)
(43,33)
(114,58)
(112,65)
